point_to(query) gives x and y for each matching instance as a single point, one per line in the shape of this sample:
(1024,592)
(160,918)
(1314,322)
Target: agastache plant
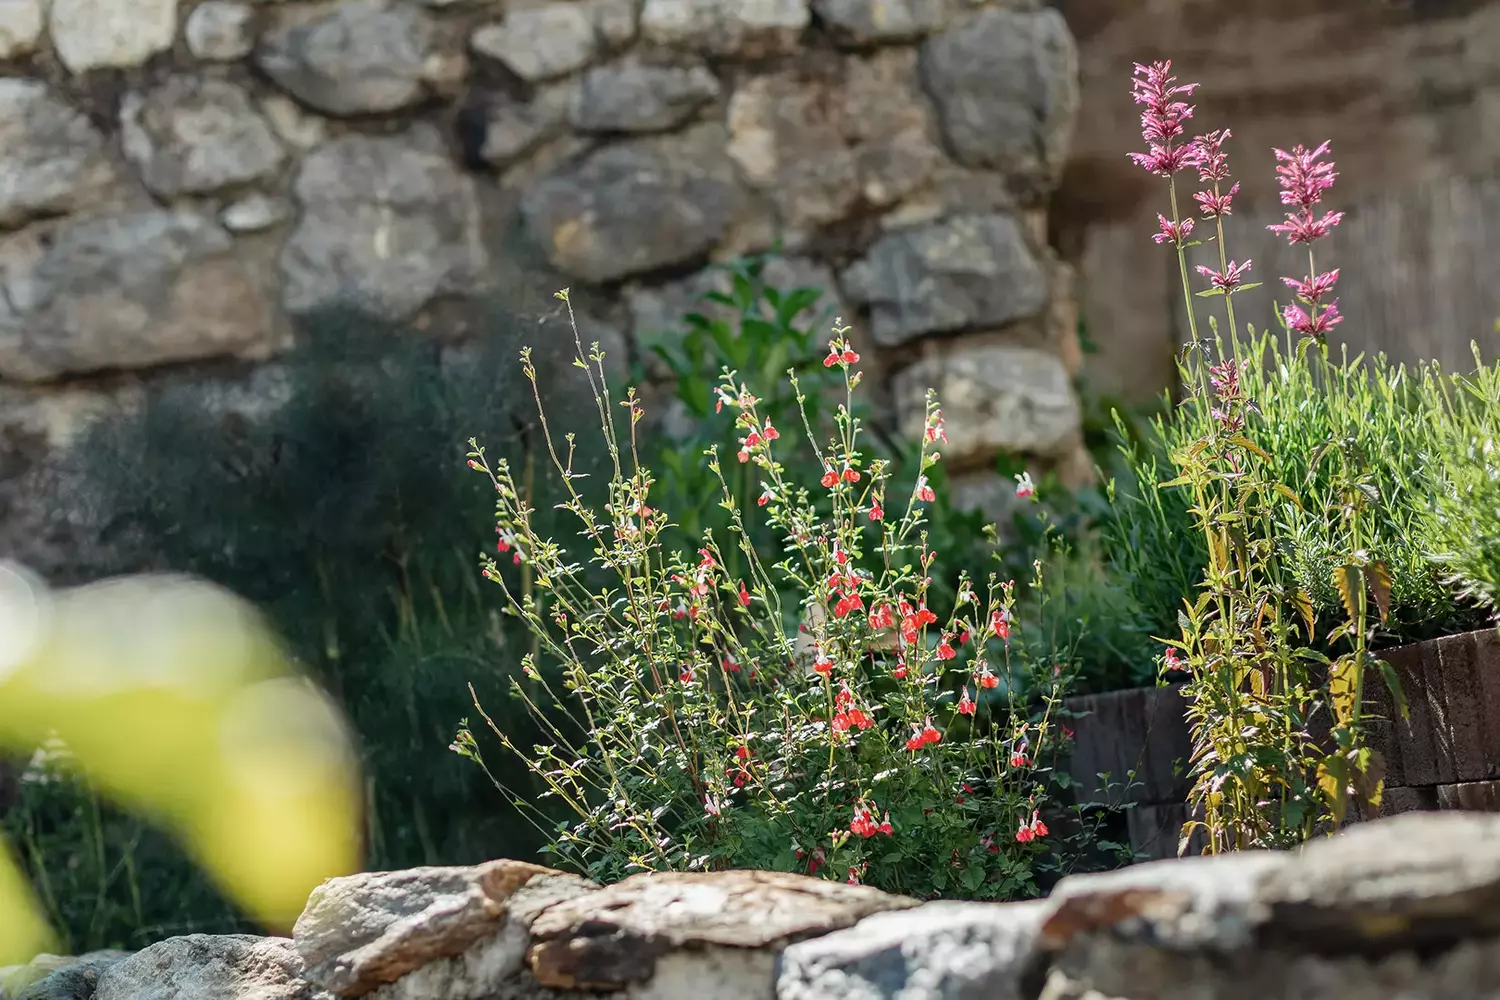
(1257,691)
(699,719)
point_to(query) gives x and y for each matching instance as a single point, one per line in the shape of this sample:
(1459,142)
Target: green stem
(1187,288)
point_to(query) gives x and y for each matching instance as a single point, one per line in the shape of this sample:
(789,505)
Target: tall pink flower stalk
(1215,203)
(1157,89)
(1162,127)
(1304,175)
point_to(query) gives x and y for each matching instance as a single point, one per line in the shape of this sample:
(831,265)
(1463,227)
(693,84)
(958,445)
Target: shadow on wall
(331,490)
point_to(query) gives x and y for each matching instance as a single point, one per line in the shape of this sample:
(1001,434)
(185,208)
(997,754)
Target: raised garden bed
(1444,756)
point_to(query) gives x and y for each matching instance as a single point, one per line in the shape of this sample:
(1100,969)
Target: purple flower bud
(1315,324)
(1302,178)
(1230,279)
(1164,160)
(1175,233)
(1215,205)
(1313,287)
(1209,156)
(1303,228)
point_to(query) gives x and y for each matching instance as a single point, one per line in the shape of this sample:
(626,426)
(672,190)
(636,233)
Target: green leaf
(1289,494)
(1393,684)
(1250,446)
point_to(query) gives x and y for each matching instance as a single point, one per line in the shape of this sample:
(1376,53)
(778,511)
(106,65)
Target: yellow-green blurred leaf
(176,701)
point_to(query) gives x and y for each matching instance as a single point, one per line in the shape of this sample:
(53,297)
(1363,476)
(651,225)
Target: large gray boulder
(387,223)
(127,290)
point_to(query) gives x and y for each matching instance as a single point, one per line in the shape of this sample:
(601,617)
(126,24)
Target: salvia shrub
(815,710)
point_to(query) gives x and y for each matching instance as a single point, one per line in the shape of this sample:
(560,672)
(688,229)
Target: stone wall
(183,180)
(1401,907)
(1408,91)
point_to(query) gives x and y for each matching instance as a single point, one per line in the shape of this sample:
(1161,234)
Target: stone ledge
(1405,906)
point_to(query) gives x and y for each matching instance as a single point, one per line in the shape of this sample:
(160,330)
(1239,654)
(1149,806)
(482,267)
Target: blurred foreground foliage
(174,698)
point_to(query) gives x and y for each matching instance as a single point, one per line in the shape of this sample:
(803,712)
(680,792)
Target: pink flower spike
(1155,87)
(1231,278)
(1313,287)
(1175,233)
(1302,178)
(1215,205)
(1303,228)
(1315,325)
(1209,156)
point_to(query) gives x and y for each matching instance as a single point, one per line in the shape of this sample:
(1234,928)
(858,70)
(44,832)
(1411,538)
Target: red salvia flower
(846,604)
(966,704)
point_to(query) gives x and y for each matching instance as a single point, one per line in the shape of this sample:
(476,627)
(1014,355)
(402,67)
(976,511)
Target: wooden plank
(1142,730)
